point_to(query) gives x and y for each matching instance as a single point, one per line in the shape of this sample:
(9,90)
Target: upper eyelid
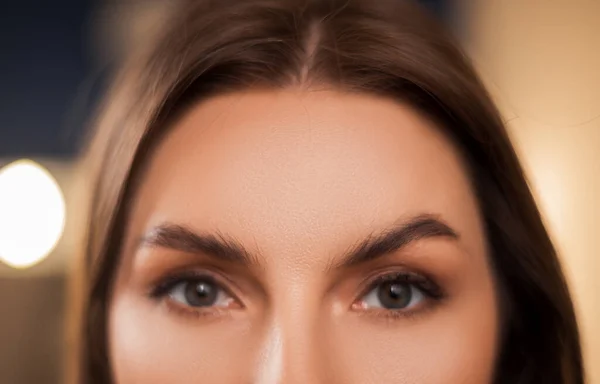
(378,276)
(373,282)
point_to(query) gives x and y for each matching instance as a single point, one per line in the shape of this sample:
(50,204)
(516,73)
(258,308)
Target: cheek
(152,347)
(454,345)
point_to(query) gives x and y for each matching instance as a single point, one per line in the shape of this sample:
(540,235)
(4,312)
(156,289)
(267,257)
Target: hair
(381,47)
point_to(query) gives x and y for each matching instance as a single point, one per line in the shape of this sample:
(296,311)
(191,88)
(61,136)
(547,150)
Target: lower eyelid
(391,316)
(196,313)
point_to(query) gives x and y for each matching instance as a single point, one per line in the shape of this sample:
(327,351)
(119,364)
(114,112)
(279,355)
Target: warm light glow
(32,213)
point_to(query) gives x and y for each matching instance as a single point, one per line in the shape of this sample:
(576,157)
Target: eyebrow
(181,238)
(226,248)
(394,239)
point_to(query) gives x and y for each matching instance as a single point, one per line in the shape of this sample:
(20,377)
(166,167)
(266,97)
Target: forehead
(305,167)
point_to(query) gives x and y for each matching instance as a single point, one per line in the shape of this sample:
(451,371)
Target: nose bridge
(294,350)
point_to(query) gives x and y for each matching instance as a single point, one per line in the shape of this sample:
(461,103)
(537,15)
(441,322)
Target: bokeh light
(32,213)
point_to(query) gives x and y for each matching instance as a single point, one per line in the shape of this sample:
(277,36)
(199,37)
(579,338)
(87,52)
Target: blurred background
(540,60)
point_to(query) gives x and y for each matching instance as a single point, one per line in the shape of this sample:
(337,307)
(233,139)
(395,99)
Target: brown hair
(382,47)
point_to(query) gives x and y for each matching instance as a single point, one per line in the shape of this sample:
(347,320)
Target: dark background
(49,82)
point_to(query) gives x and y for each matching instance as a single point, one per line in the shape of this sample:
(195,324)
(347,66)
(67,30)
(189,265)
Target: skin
(299,178)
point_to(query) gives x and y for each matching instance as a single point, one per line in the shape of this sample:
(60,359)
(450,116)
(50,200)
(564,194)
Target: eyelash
(432,292)
(427,286)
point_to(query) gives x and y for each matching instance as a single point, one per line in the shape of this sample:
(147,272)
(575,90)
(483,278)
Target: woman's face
(303,237)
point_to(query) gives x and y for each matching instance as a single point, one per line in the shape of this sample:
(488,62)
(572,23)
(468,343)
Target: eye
(199,292)
(393,295)
(399,292)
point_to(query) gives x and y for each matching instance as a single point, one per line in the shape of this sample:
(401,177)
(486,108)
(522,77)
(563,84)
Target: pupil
(201,293)
(394,295)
